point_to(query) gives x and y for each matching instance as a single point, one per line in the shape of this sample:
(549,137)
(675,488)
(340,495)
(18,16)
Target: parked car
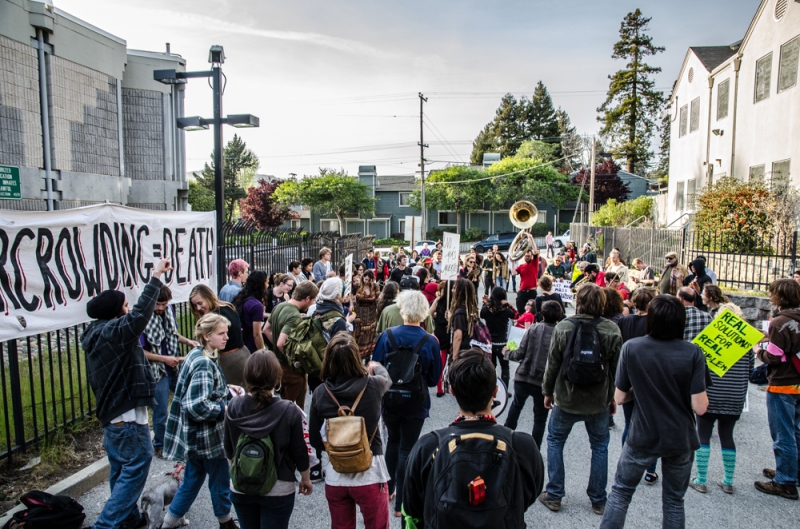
(502,240)
(418,245)
(561,240)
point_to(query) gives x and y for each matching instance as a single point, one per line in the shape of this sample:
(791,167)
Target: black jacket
(118,371)
(281,420)
(529,482)
(346,390)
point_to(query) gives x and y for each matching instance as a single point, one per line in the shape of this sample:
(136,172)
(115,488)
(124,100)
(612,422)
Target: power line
(440,135)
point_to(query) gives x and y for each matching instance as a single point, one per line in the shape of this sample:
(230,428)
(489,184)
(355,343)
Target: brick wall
(84,119)
(20,115)
(143,133)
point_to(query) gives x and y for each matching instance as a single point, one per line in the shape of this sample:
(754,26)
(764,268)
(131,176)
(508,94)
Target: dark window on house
(763,75)
(448,218)
(787,74)
(757,173)
(694,121)
(404,199)
(723,91)
(683,121)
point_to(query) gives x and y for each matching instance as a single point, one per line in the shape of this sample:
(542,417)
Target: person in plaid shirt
(195,426)
(696,319)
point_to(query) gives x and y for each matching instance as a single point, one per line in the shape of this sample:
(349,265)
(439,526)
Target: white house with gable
(735,109)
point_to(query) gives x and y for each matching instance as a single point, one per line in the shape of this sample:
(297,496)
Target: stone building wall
(20,113)
(143,130)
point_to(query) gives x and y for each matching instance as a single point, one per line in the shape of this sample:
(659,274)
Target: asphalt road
(745,508)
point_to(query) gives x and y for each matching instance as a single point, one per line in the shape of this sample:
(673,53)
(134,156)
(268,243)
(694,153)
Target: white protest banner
(348,274)
(52,263)
(563,289)
(450,265)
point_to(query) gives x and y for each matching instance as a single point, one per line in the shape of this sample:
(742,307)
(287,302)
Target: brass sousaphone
(523,215)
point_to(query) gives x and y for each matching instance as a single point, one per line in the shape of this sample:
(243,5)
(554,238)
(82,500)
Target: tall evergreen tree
(504,134)
(571,142)
(630,111)
(540,121)
(240,164)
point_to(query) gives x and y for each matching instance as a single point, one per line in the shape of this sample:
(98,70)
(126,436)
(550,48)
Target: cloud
(194,21)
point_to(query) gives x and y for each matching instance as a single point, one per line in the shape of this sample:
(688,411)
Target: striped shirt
(727,394)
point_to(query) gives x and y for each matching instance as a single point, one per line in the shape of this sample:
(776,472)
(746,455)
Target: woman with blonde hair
(202,301)
(347,380)
(195,426)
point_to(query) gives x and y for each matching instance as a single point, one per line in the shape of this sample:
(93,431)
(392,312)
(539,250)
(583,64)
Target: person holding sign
(783,391)
(726,397)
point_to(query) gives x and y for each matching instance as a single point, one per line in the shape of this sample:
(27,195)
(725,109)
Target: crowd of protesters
(268,339)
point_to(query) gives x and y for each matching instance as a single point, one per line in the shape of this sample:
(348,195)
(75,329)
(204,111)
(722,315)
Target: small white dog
(158,496)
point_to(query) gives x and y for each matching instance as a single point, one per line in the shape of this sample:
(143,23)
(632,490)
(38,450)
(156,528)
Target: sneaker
(769,473)
(554,504)
(611,423)
(727,489)
(776,489)
(701,488)
(158,452)
(598,509)
(230,524)
(650,478)
(440,395)
(317,474)
(128,524)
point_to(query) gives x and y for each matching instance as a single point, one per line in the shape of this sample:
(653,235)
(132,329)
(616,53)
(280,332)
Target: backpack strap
(352,409)
(391,339)
(417,347)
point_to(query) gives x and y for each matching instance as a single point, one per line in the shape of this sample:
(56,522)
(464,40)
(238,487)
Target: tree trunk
(458,222)
(340,218)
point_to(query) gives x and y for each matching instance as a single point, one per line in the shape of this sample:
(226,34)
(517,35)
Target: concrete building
(735,109)
(109,128)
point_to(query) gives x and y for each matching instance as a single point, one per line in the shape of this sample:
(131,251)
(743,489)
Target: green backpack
(253,469)
(306,343)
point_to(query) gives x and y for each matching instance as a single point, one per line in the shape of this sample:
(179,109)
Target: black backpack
(408,391)
(463,458)
(584,362)
(45,511)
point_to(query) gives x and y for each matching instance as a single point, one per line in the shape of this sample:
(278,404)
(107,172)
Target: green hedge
(390,242)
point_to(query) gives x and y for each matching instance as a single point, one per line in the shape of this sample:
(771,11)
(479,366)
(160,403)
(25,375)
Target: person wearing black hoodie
(124,388)
(345,378)
(697,281)
(259,414)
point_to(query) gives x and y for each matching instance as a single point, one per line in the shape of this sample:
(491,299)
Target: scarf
(156,334)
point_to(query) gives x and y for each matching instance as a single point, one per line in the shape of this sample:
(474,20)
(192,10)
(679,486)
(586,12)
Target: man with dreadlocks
(160,344)
(463,313)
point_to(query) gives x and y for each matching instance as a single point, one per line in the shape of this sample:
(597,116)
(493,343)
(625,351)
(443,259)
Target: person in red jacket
(528,272)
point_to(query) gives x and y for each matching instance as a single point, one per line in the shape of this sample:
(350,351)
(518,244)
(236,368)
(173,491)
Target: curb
(72,486)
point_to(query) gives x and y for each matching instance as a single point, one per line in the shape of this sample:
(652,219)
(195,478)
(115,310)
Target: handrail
(676,220)
(634,221)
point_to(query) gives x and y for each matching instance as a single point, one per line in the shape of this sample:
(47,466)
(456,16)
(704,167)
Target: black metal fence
(43,378)
(743,262)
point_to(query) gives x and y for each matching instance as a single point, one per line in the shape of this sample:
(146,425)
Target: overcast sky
(335,82)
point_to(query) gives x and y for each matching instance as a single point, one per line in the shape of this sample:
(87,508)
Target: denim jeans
(561,423)
(403,434)
(783,414)
(501,282)
(498,356)
(514,283)
(676,471)
(263,512)
(193,478)
(130,453)
(523,390)
(160,412)
(627,409)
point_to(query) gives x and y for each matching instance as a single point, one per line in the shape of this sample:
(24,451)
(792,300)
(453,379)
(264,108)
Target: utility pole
(422,147)
(591,183)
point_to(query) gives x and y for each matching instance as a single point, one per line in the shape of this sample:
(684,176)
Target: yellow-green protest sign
(726,339)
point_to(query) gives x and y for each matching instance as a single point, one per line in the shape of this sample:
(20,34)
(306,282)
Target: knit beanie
(331,289)
(106,306)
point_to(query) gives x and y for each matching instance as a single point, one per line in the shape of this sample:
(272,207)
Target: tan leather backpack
(348,446)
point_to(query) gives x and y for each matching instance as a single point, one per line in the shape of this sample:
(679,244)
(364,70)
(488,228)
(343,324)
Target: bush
(614,213)
(562,227)
(390,242)
(399,236)
(472,234)
(435,234)
(540,229)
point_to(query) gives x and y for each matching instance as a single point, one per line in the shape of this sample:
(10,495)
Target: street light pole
(591,183)
(219,174)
